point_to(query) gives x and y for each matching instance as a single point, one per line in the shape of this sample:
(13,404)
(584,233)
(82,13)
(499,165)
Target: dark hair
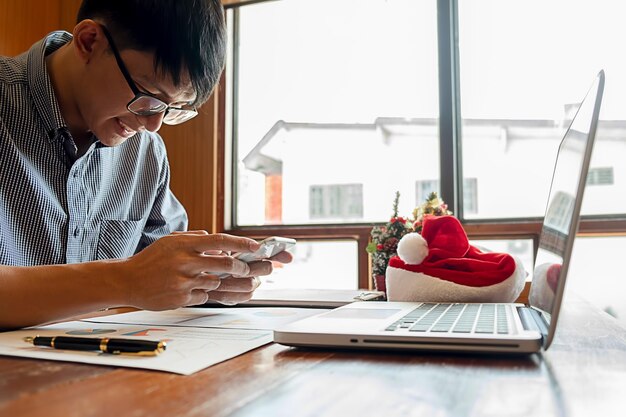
(183,34)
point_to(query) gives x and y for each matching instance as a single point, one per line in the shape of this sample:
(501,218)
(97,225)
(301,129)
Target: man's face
(103,104)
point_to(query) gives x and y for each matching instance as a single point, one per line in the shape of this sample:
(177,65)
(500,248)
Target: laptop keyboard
(455,318)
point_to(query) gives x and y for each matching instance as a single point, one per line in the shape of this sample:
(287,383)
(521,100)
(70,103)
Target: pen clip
(159,349)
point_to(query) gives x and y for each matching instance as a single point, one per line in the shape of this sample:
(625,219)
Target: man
(87,219)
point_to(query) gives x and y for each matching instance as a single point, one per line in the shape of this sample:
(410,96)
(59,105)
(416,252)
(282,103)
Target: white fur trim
(412,248)
(403,285)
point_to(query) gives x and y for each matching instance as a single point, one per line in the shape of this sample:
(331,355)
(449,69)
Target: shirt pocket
(118,238)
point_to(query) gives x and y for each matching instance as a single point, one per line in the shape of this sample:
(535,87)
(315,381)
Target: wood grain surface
(582,374)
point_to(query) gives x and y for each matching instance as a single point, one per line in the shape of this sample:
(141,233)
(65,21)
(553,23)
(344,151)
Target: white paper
(196,337)
(262,318)
(189,349)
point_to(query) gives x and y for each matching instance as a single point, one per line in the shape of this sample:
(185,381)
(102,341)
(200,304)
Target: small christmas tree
(434,206)
(385,239)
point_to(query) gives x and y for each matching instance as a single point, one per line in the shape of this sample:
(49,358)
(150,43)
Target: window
(600,176)
(322,98)
(519,89)
(334,105)
(332,202)
(470,194)
(560,212)
(604,289)
(423,188)
(318,264)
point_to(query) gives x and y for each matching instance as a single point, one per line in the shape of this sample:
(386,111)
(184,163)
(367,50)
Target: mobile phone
(269,247)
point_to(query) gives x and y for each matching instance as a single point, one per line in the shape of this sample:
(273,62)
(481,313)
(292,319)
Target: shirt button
(76,232)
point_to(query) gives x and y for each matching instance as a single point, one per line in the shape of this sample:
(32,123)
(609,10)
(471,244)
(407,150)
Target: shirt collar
(40,85)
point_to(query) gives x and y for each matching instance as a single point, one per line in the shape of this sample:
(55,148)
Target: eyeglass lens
(144,105)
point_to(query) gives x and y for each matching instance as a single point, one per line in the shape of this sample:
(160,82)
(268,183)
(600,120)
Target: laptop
(461,327)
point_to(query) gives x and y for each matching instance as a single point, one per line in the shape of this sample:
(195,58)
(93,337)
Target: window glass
(423,188)
(332,202)
(336,102)
(596,273)
(524,68)
(317,264)
(600,176)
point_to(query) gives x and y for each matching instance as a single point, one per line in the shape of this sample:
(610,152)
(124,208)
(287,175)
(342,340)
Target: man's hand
(182,269)
(239,288)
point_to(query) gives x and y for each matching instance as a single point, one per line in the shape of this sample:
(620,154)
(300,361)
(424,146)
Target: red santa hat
(440,265)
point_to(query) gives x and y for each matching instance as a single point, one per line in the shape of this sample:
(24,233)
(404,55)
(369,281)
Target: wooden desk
(582,374)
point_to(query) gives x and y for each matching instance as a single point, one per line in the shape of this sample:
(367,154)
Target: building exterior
(305,173)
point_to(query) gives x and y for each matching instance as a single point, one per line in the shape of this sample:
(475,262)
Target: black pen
(106,345)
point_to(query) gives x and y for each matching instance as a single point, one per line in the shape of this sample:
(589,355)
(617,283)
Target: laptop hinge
(532,320)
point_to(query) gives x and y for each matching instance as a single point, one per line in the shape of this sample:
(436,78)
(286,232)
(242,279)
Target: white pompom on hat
(412,248)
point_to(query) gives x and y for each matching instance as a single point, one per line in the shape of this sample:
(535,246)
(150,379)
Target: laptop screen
(563,208)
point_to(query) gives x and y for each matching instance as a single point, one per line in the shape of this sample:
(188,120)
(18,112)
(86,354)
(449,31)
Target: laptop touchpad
(360,313)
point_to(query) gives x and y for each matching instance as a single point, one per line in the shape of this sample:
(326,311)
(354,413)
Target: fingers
(226,291)
(197,297)
(229,299)
(181,269)
(258,268)
(216,252)
(283,257)
(193,264)
(205,282)
(219,241)
(239,285)
(187,265)
(255,269)
(224,264)
(219,264)
(235,290)
(206,252)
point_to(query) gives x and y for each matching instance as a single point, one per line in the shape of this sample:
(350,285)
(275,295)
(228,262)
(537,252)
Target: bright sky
(355,60)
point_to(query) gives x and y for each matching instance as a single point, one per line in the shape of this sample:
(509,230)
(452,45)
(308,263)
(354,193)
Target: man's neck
(59,65)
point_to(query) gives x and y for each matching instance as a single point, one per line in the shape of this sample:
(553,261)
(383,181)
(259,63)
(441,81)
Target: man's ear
(88,40)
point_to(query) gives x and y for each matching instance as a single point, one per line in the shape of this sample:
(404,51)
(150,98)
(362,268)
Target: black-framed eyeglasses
(144,104)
